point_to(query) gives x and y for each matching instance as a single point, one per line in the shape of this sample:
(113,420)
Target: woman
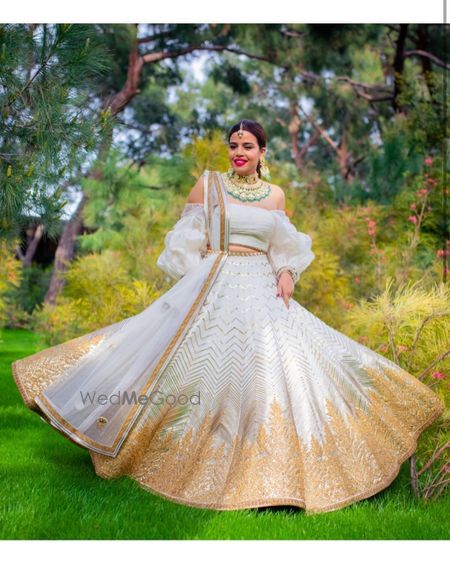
(225,393)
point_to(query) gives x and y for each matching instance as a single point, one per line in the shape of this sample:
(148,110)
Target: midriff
(239,247)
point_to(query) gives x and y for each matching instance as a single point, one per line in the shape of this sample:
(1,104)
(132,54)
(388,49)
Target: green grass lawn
(49,490)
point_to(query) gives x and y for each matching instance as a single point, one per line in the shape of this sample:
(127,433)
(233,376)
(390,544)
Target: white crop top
(250,225)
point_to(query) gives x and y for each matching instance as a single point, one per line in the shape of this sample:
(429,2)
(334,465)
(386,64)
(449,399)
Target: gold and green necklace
(245,188)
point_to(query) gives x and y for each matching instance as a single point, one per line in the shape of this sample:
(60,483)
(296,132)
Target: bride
(226,393)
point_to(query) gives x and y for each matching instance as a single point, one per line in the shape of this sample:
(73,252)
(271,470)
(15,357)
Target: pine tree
(48,124)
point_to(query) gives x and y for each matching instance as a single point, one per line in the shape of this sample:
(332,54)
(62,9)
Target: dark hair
(256,129)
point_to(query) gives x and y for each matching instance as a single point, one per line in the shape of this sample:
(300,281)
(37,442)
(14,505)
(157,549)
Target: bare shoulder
(279,196)
(196,194)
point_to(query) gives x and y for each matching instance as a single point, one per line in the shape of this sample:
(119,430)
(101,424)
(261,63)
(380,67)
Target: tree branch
(430,56)
(154,57)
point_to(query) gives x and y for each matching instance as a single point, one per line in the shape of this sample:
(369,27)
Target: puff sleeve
(186,243)
(289,249)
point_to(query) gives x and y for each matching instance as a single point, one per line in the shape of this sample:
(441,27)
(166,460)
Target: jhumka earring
(265,172)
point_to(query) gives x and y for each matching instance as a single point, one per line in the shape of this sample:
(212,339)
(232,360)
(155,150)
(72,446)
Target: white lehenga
(252,403)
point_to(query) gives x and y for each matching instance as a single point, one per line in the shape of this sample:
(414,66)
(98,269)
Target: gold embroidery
(357,458)
(239,252)
(224,207)
(222,212)
(34,373)
(210,185)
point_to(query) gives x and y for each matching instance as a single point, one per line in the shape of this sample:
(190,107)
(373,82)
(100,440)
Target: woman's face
(244,153)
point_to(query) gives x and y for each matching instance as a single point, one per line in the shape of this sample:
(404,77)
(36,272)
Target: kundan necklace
(246,188)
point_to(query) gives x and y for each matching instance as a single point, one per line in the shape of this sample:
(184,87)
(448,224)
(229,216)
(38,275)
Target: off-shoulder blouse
(258,227)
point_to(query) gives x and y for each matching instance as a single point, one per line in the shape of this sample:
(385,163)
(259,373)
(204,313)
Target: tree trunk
(294,128)
(33,239)
(64,253)
(422,44)
(399,63)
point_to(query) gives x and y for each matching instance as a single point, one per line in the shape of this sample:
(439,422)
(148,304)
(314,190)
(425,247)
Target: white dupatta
(98,391)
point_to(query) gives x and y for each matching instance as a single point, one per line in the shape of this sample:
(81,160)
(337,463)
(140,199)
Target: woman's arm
(289,250)
(186,243)
(196,194)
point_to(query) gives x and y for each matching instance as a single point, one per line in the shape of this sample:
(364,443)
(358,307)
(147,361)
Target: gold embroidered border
(28,402)
(254,252)
(340,467)
(48,365)
(222,212)
(210,186)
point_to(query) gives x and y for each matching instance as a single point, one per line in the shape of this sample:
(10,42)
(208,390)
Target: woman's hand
(285,287)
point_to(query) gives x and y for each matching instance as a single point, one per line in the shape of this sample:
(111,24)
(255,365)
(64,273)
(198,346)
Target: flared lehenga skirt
(263,405)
